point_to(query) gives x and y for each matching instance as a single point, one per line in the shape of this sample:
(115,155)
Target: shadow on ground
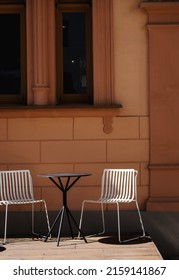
(2,248)
(126,239)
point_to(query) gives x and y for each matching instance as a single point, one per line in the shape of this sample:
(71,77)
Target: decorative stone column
(40,52)
(163,28)
(102,52)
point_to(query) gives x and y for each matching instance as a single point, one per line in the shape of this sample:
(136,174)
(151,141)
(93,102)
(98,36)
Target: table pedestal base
(65,210)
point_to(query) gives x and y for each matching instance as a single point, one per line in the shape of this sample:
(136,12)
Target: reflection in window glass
(10,81)
(74,52)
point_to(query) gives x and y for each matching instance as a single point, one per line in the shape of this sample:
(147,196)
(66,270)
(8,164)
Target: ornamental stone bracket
(107,125)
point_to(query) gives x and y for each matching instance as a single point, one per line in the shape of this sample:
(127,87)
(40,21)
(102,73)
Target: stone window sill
(59,111)
(107,112)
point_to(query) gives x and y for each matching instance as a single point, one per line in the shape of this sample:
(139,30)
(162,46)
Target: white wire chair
(118,186)
(16,187)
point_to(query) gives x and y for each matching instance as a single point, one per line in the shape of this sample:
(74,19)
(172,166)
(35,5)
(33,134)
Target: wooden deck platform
(97,248)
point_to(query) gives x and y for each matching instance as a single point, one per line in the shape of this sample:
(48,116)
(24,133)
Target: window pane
(10,82)
(74,52)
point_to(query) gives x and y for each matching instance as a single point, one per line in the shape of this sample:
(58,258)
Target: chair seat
(23,201)
(114,200)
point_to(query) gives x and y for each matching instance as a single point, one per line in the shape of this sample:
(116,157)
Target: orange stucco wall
(72,143)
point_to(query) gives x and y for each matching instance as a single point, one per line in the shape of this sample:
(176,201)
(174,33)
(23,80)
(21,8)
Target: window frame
(43,32)
(76,98)
(21,96)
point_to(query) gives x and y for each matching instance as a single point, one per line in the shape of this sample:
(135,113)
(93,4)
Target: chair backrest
(16,186)
(119,185)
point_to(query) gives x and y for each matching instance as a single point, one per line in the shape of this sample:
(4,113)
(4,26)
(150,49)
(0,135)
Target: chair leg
(81,218)
(5,224)
(102,215)
(142,226)
(103,221)
(33,219)
(47,218)
(118,223)
(141,222)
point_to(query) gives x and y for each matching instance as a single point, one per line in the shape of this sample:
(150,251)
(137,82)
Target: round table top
(66,174)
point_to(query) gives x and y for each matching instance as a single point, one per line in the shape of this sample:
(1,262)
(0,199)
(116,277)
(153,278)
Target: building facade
(130,116)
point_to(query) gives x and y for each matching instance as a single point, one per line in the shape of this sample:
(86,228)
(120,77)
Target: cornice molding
(161,12)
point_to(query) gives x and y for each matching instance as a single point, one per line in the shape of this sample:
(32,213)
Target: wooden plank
(28,249)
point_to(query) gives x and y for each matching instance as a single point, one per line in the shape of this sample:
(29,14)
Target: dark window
(10,80)
(74,53)
(12,55)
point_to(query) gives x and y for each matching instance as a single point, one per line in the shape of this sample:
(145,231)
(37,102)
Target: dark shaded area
(2,248)
(74,52)
(114,239)
(163,228)
(10,82)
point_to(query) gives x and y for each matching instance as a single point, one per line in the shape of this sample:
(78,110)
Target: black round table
(71,179)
